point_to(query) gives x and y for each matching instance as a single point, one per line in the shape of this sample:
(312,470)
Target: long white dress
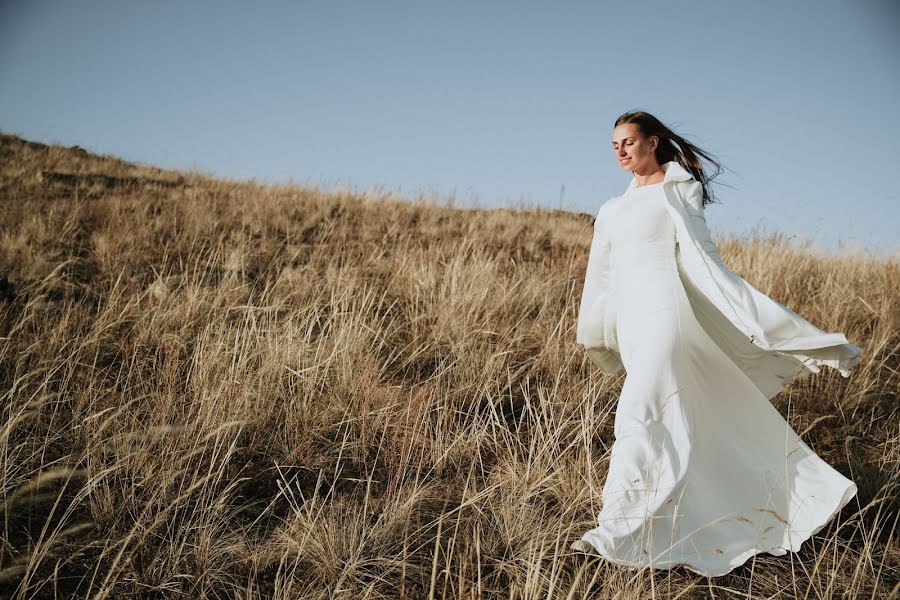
(704,471)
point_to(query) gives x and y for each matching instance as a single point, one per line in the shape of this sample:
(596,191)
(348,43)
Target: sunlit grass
(223,389)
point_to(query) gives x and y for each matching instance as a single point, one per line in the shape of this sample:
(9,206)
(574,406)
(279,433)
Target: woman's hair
(674,147)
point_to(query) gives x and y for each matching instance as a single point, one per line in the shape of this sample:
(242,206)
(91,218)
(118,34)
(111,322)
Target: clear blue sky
(496,103)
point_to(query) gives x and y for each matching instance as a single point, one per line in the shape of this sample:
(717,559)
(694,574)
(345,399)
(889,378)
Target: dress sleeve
(596,276)
(593,331)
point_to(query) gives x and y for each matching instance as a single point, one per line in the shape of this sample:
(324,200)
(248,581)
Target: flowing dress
(704,471)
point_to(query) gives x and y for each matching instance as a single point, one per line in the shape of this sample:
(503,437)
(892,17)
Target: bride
(704,471)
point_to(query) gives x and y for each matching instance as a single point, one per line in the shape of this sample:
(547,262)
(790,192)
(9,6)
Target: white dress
(704,470)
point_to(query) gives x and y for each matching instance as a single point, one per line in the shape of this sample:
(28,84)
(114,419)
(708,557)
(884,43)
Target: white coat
(770,343)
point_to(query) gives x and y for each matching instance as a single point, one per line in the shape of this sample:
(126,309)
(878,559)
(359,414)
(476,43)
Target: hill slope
(228,389)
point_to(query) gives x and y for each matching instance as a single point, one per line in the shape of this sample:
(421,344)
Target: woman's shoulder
(611,203)
(604,211)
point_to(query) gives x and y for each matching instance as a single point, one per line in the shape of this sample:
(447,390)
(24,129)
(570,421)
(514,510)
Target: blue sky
(494,103)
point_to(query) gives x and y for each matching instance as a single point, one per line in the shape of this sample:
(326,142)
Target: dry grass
(217,389)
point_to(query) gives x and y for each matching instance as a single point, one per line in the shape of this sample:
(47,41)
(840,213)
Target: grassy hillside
(228,390)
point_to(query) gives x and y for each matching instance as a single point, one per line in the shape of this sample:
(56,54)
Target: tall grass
(219,389)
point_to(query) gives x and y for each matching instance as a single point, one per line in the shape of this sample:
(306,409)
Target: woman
(704,471)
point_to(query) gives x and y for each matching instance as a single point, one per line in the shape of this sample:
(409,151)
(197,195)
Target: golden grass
(218,389)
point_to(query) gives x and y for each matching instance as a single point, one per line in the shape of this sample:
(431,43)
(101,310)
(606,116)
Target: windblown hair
(674,147)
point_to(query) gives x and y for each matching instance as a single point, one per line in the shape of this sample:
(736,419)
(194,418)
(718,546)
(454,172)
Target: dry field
(219,389)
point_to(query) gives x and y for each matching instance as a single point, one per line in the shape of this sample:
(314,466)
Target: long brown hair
(674,147)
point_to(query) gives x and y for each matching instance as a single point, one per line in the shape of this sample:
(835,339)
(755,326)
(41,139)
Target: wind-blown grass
(222,389)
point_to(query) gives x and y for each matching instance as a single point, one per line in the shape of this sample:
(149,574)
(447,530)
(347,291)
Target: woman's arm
(596,276)
(592,331)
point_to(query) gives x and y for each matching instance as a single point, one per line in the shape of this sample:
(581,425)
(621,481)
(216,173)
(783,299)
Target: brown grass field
(221,389)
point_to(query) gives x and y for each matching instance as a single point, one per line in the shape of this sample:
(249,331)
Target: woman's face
(634,151)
